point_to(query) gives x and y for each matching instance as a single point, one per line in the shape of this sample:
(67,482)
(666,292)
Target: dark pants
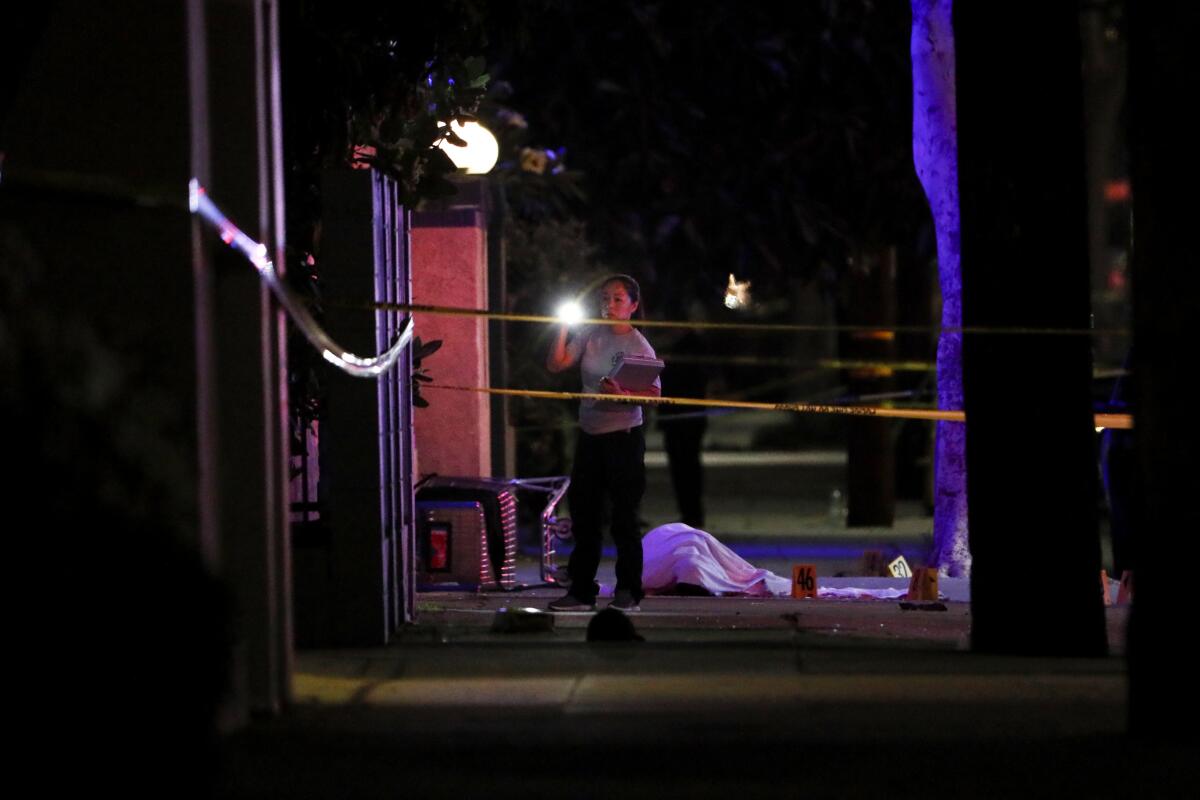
(681,439)
(610,465)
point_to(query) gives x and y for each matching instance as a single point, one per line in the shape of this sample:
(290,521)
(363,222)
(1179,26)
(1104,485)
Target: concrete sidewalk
(726,697)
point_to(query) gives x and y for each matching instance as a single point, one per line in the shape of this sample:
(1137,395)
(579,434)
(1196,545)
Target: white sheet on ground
(677,553)
(854,593)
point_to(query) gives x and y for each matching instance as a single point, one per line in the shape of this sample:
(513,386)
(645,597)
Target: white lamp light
(737,293)
(481,151)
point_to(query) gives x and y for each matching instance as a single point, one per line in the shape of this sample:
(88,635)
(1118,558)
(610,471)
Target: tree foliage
(371,85)
(719,137)
(384,79)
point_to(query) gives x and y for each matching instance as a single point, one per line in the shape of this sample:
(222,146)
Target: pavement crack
(570,699)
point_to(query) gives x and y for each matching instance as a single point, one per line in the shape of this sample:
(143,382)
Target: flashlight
(570,312)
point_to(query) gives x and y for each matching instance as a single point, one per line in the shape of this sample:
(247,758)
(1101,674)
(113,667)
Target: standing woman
(610,452)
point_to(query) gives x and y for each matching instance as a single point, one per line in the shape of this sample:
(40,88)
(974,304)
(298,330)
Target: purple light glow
(935,155)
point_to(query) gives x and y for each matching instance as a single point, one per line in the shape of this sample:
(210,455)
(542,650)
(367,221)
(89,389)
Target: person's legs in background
(682,440)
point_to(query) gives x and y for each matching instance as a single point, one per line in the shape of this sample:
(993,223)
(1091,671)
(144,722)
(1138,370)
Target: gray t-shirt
(600,349)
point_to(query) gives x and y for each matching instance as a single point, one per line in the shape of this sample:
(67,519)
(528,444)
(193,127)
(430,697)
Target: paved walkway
(725,697)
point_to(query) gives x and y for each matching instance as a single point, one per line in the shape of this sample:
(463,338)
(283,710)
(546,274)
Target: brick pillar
(449,251)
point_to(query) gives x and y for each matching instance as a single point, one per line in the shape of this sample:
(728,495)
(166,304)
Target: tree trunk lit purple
(935,154)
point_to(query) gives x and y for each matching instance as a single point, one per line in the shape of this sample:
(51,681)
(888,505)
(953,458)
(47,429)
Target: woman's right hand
(559,359)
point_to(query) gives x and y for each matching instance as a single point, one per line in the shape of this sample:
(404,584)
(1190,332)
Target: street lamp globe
(481,151)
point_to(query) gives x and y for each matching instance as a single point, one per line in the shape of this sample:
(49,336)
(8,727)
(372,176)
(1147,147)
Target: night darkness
(141,370)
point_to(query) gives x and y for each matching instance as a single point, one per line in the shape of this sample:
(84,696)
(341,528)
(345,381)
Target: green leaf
(426,349)
(475,65)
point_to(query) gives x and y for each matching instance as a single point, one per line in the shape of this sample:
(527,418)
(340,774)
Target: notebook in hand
(636,372)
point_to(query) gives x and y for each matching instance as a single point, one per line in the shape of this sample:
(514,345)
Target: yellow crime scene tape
(484,313)
(822,363)
(1119,421)
(1098,373)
